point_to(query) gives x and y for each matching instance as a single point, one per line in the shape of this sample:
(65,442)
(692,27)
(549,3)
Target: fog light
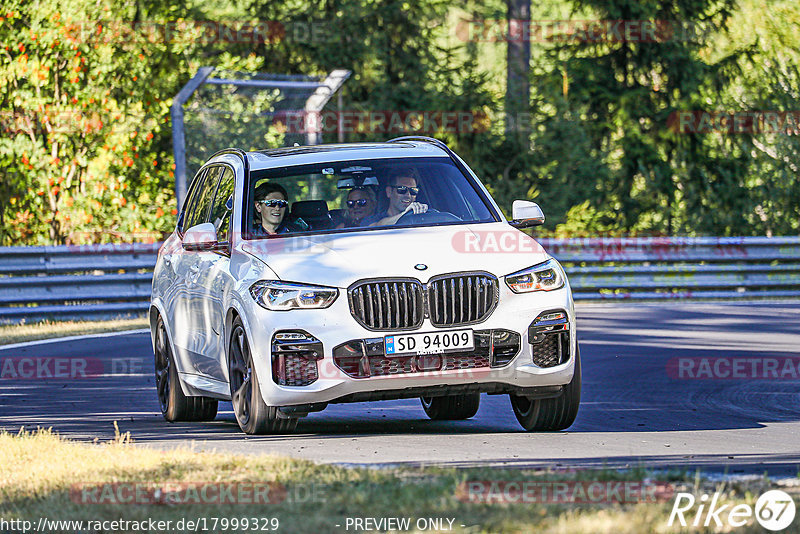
(558,316)
(294,336)
(548,336)
(294,358)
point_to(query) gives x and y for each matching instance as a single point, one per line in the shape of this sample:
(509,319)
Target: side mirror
(526,214)
(200,237)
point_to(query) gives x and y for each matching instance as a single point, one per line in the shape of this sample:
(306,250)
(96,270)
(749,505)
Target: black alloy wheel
(163,363)
(240,372)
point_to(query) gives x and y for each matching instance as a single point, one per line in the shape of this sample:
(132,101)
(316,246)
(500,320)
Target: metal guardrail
(680,267)
(101,281)
(75,282)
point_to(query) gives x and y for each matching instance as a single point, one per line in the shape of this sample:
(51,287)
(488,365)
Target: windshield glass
(361,195)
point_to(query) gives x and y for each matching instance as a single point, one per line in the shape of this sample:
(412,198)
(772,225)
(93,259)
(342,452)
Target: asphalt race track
(637,409)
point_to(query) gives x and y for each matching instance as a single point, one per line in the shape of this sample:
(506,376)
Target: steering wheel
(429,217)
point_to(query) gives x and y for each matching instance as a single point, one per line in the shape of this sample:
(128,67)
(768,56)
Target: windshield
(361,195)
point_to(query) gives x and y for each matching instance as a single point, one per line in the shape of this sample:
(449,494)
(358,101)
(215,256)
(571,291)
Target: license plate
(429,342)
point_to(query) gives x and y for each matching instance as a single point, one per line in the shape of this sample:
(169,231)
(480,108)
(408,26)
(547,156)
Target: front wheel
(452,407)
(252,413)
(551,414)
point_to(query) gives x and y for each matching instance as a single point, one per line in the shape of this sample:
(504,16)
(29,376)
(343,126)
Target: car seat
(313,213)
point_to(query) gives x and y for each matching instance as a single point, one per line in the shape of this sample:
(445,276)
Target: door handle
(194,274)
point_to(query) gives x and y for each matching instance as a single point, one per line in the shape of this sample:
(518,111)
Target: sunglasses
(273,203)
(402,190)
(361,202)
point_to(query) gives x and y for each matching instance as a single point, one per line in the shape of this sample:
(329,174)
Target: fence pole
(178,137)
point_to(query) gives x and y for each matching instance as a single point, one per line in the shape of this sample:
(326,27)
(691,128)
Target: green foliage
(611,138)
(86,153)
(769,80)
(86,143)
(584,219)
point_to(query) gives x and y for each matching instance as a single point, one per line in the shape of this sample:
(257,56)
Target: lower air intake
(294,358)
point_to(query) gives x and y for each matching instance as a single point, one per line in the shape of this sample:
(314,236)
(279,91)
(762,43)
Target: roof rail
(431,140)
(238,151)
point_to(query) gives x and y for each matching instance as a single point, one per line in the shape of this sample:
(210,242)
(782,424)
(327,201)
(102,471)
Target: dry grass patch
(17,333)
(39,474)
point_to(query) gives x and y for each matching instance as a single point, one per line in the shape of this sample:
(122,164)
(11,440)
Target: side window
(201,202)
(189,202)
(222,207)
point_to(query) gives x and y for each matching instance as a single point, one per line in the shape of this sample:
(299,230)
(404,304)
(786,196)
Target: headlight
(282,296)
(546,276)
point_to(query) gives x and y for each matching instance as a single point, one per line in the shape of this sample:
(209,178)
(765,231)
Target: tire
(175,406)
(252,413)
(452,407)
(551,414)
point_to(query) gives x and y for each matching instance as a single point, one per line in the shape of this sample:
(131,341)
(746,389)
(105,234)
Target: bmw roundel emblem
(420,266)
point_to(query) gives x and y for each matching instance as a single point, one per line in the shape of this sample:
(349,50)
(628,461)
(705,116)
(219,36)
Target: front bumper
(334,327)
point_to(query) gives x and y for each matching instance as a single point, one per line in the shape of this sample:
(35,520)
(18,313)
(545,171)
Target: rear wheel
(551,414)
(452,407)
(252,414)
(175,406)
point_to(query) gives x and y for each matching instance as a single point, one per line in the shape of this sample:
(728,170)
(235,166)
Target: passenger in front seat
(271,204)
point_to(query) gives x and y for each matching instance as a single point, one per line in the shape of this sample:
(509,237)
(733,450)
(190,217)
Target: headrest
(309,209)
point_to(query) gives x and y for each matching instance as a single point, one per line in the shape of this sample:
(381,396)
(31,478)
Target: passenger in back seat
(361,203)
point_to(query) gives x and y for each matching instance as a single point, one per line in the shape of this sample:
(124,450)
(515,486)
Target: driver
(402,193)
(271,204)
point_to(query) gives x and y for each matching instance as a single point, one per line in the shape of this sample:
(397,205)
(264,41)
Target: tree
(518,91)
(615,120)
(85,101)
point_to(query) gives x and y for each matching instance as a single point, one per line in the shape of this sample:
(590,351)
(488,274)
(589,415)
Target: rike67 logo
(774,510)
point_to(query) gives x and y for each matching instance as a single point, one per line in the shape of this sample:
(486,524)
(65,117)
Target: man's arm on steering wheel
(414,207)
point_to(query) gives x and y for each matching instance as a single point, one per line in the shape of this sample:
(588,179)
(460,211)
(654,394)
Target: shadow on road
(627,391)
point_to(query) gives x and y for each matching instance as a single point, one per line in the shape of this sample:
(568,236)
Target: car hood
(340,259)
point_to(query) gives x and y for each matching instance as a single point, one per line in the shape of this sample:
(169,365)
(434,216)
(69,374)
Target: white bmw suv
(299,277)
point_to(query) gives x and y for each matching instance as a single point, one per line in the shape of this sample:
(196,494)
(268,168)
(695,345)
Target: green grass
(18,333)
(38,469)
